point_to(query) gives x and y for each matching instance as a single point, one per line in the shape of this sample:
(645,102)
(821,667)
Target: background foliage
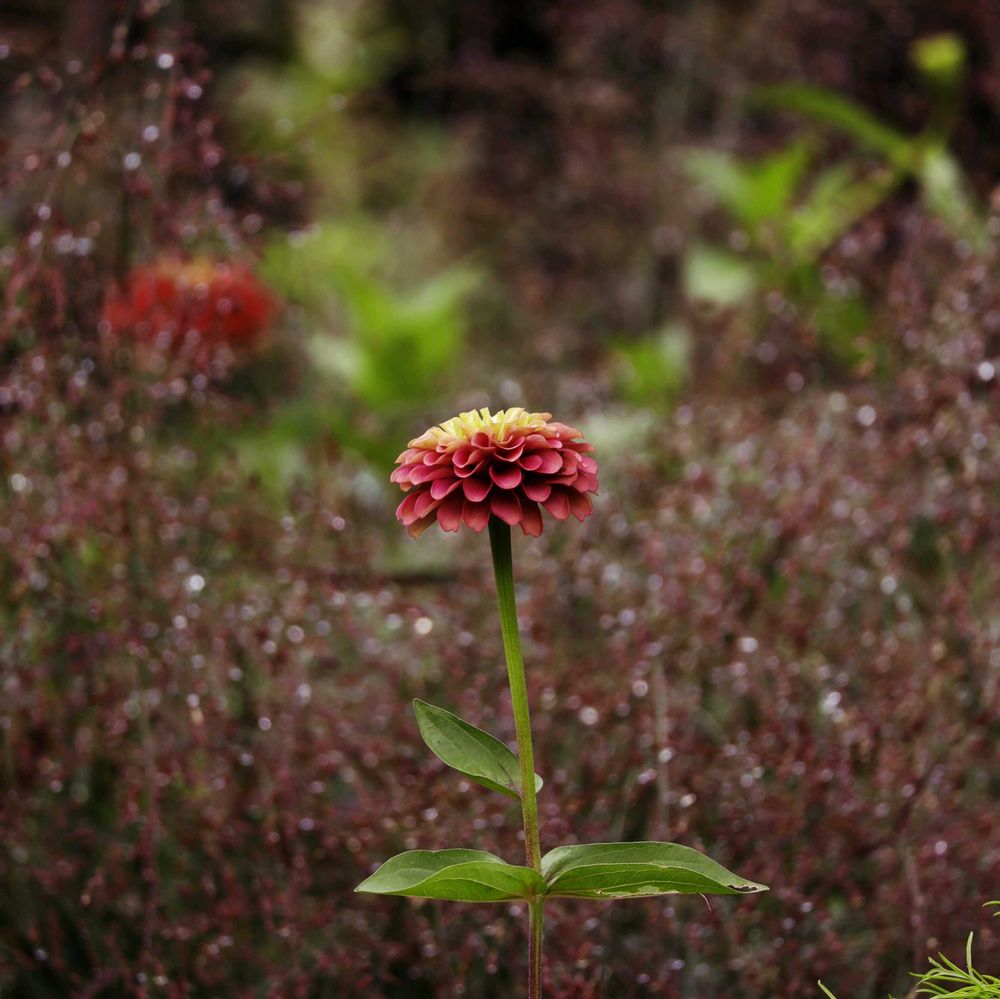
(749,248)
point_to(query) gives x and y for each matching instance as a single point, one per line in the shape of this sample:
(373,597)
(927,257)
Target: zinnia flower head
(507,464)
(201,305)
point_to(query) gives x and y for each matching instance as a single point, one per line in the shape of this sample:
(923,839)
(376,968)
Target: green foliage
(378,349)
(841,114)
(940,58)
(457,875)
(654,369)
(793,211)
(398,344)
(382,321)
(945,978)
(469,750)
(923,157)
(754,192)
(631,870)
(791,218)
(840,196)
(719,277)
(296,110)
(592,870)
(393,346)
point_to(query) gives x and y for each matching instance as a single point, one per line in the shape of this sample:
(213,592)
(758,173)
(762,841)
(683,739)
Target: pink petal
(531,522)
(537,491)
(506,476)
(551,462)
(442,487)
(425,503)
(531,462)
(476,515)
(510,451)
(580,505)
(405,511)
(466,470)
(564,480)
(564,431)
(571,462)
(588,464)
(428,473)
(558,504)
(449,513)
(506,506)
(476,489)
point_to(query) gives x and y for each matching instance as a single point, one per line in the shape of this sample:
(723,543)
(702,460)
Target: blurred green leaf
(754,192)
(654,369)
(458,875)
(469,750)
(347,51)
(384,346)
(715,276)
(841,196)
(841,318)
(397,344)
(838,112)
(946,195)
(628,870)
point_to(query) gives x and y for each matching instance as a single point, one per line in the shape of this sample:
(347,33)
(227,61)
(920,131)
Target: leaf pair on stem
(594,870)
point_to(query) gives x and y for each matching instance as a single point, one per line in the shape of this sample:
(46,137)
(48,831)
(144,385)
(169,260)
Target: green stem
(536,911)
(503,570)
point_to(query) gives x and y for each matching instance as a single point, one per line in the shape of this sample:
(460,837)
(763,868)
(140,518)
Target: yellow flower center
(463,427)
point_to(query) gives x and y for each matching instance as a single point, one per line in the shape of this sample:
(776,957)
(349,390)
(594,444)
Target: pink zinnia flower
(504,464)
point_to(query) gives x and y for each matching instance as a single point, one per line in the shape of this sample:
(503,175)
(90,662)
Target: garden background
(247,250)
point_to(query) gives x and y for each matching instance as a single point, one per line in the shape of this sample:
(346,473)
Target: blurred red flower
(192,306)
(505,464)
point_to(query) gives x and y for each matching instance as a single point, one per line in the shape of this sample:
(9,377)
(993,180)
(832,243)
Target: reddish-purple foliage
(772,640)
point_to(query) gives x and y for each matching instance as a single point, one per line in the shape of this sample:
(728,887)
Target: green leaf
(470,750)
(458,875)
(829,108)
(627,870)
(945,191)
(841,196)
(654,369)
(752,192)
(722,279)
